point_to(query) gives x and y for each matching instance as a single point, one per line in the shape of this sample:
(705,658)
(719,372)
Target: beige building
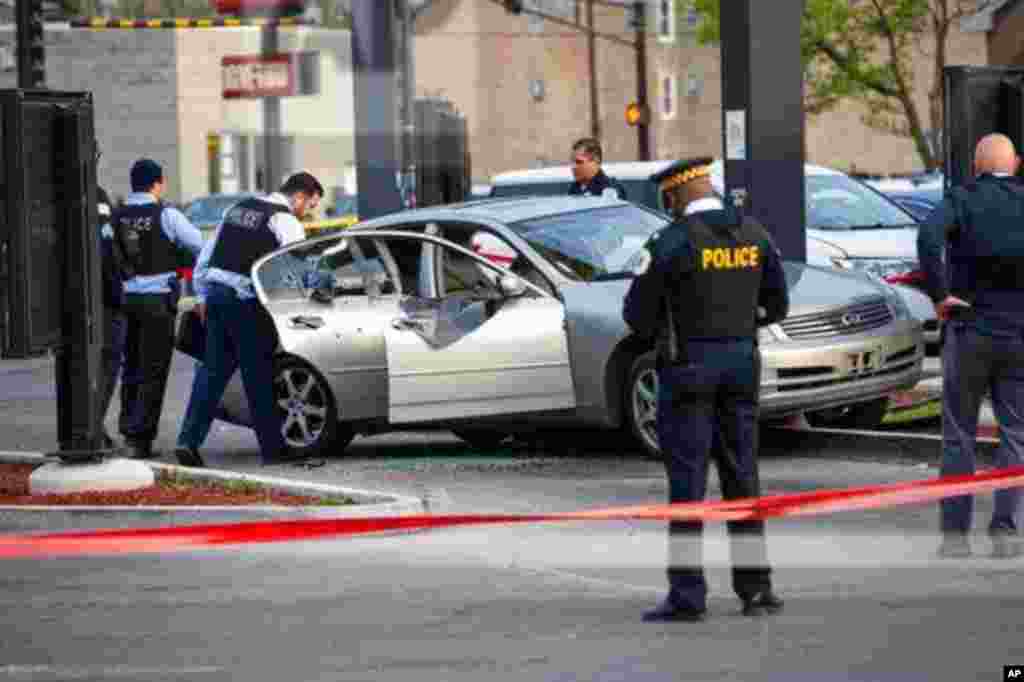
(158,93)
(523,85)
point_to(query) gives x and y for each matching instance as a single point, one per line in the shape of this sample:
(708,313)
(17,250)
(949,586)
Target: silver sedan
(492,316)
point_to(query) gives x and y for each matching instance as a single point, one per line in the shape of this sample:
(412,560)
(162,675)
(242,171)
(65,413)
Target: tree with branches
(865,50)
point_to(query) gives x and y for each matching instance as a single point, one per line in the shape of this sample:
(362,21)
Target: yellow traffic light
(636,114)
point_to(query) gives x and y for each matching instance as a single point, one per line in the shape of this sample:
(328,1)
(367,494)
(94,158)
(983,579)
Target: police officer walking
(703,286)
(151,237)
(239,332)
(112,355)
(588,178)
(979,292)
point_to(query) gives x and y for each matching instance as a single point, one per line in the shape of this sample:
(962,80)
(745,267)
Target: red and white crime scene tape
(180,538)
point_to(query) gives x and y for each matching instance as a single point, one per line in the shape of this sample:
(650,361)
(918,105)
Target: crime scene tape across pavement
(208,536)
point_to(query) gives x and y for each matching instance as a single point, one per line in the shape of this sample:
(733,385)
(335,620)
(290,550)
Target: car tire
(641,404)
(867,415)
(484,439)
(309,416)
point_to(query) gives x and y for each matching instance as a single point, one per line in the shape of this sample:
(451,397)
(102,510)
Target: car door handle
(307,321)
(406,323)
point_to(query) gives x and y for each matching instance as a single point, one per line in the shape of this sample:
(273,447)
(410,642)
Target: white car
(849,224)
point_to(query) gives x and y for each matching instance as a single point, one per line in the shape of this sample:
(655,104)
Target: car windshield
(211,209)
(593,244)
(838,202)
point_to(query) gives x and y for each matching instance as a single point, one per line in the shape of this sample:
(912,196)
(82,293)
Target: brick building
(523,85)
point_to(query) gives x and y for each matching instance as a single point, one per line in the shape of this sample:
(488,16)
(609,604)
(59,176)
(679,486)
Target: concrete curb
(56,518)
(851,444)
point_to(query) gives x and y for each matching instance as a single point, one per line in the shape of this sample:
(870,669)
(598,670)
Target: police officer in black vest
(703,286)
(239,332)
(589,180)
(979,292)
(152,237)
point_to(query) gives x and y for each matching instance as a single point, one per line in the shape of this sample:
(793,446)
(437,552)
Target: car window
(291,274)
(355,267)
(592,244)
(838,202)
(210,209)
(640,191)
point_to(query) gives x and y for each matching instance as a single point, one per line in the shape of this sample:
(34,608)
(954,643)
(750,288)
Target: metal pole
(643,131)
(595,108)
(271,119)
(406,18)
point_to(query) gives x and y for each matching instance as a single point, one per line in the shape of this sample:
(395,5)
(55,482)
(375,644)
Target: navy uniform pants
(112,356)
(979,357)
(149,347)
(239,334)
(708,409)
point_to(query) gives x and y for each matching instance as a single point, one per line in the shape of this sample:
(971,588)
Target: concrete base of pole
(108,475)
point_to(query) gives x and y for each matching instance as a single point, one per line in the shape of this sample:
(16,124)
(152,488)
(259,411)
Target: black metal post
(373,59)
(595,104)
(763,118)
(406,21)
(272,169)
(31,47)
(643,129)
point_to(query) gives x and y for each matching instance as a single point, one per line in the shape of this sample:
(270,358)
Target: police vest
(139,232)
(718,296)
(987,253)
(245,236)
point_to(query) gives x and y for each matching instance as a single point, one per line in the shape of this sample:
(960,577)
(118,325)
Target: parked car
(207,212)
(849,225)
(399,321)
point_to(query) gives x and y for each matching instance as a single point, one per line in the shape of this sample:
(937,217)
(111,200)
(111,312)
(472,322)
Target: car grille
(849,320)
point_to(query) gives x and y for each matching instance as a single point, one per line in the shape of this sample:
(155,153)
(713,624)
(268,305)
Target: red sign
(257,76)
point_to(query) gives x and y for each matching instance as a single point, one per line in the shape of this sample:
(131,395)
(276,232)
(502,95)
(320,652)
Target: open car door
(478,341)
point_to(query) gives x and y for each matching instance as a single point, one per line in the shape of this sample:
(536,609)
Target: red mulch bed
(168,491)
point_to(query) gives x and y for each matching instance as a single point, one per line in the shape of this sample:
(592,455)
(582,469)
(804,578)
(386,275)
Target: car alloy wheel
(642,403)
(309,419)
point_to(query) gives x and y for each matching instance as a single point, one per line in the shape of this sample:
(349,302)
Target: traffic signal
(513,6)
(260,8)
(637,114)
(31,46)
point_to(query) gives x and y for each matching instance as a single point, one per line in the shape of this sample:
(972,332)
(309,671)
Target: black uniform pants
(149,345)
(112,356)
(708,409)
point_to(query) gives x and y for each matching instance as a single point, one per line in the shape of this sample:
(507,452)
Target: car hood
(881,243)
(812,288)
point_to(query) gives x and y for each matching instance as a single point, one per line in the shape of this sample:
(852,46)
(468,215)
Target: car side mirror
(511,286)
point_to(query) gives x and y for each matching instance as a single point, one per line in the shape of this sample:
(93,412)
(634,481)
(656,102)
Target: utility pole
(31,46)
(271,117)
(643,129)
(595,107)
(407,120)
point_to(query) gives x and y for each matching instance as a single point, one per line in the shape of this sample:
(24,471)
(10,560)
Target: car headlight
(879,268)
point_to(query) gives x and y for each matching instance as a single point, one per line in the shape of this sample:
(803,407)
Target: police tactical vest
(987,253)
(139,232)
(245,236)
(718,296)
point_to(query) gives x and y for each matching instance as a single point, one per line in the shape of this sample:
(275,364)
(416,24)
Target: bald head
(995,154)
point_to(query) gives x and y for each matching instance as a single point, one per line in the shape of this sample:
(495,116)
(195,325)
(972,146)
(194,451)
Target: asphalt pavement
(866,599)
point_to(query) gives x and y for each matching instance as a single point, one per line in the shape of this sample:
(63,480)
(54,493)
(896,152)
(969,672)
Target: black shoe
(140,451)
(954,546)
(108,442)
(1006,543)
(762,603)
(189,457)
(667,612)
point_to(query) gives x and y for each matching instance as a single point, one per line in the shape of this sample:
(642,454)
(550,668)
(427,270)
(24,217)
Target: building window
(694,84)
(667,97)
(692,18)
(666,20)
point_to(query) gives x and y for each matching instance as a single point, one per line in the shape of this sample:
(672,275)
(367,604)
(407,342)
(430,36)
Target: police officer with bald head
(703,286)
(971,249)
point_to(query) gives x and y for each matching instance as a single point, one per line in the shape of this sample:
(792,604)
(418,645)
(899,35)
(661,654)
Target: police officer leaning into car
(979,292)
(151,236)
(239,332)
(589,180)
(703,285)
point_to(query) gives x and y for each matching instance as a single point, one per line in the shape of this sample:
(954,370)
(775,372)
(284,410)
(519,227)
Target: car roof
(503,210)
(620,170)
